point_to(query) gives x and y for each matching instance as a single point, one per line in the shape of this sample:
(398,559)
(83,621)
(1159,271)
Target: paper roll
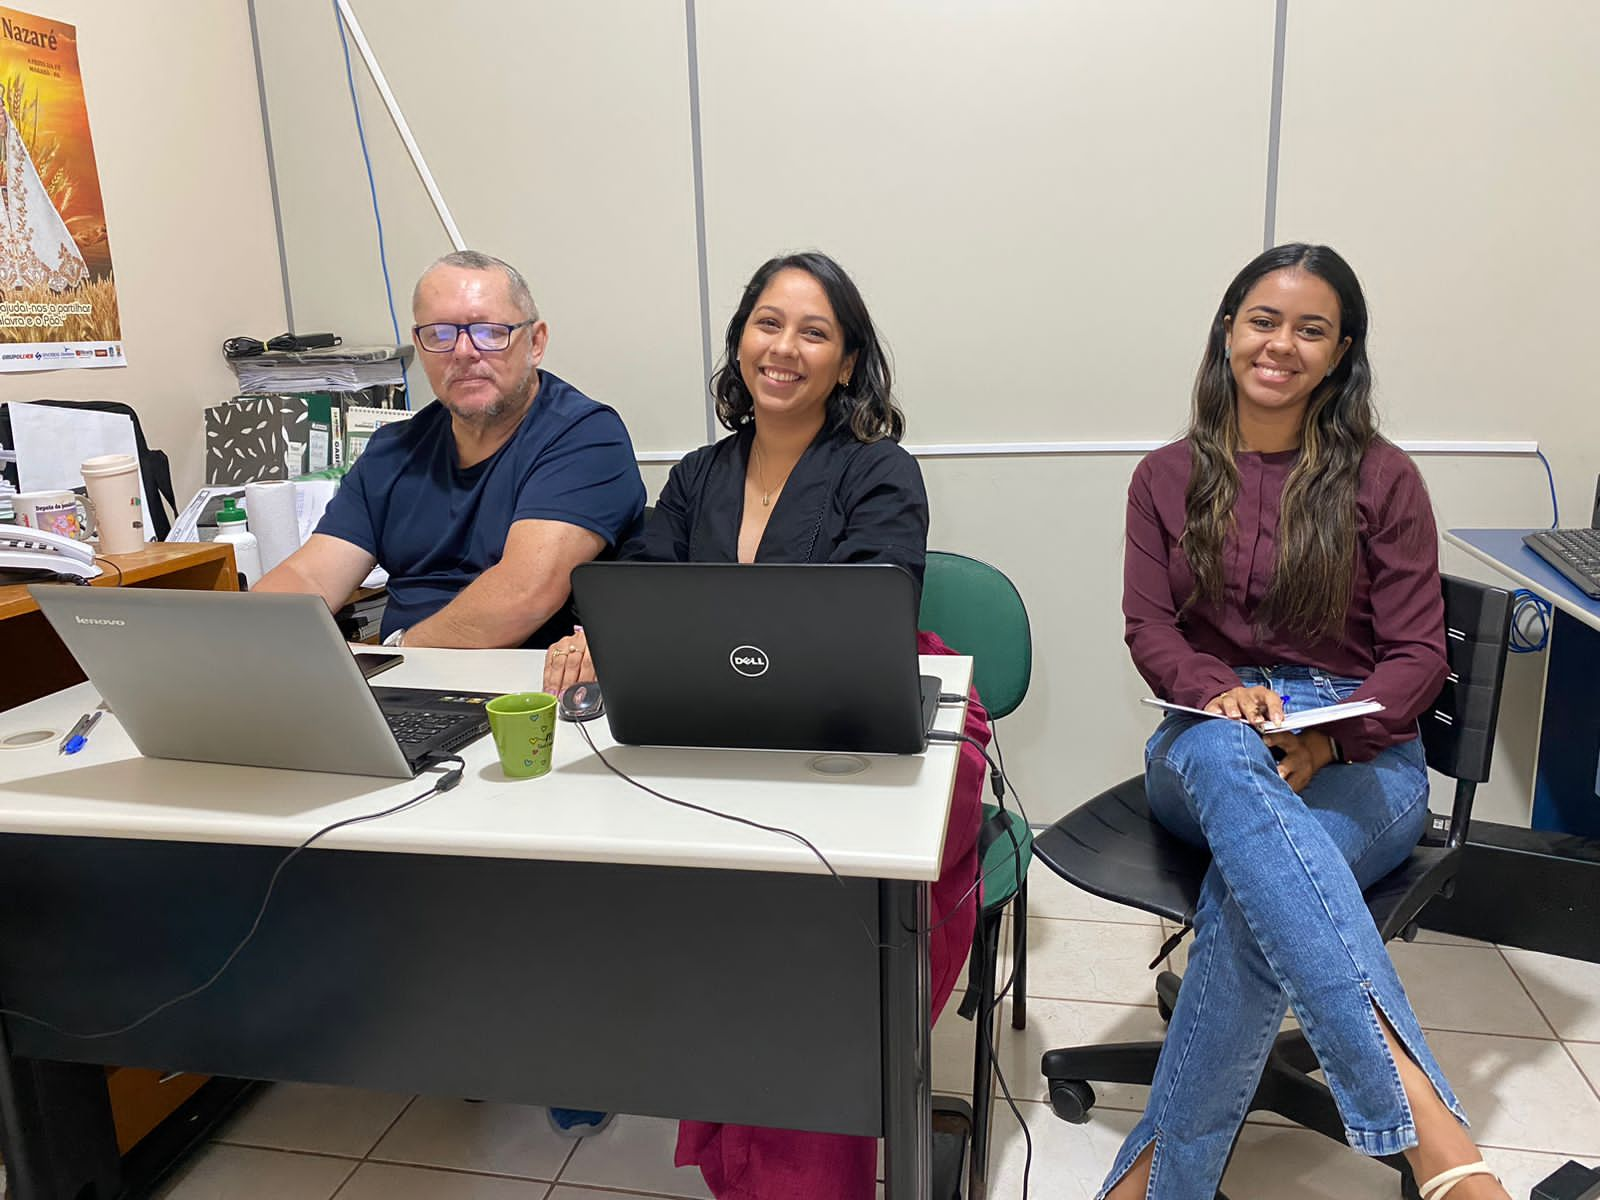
(271,511)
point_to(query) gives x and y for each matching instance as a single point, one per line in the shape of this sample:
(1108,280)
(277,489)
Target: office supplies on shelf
(372,370)
(1573,552)
(1304,719)
(34,550)
(198,520)
(272,436)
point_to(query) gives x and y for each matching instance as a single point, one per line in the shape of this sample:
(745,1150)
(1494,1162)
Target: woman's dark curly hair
(866,402)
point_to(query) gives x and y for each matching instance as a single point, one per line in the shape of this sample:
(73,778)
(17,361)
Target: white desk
(565,940)
(886,822)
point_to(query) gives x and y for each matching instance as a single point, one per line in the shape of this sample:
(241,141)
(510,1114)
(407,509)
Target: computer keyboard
(413,727)
(1573,552)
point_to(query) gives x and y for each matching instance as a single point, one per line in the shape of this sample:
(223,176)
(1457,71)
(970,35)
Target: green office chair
(977,611)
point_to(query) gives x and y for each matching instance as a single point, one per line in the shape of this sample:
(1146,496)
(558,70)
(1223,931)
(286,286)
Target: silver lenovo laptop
(259,680)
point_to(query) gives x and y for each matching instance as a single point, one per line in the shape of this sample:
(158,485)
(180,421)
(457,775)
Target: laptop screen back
(756,656)
(261,680)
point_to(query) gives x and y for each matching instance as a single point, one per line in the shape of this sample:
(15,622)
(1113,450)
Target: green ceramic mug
(524,728)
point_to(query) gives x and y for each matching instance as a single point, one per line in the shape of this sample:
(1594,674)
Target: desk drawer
(142,1099)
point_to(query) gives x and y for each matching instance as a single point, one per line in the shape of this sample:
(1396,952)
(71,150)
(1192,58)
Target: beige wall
(1014,187)
(561,143)
(1042,203)
(176,121)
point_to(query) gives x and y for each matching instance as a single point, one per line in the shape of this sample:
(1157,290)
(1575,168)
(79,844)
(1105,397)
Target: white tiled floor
(1495,1018)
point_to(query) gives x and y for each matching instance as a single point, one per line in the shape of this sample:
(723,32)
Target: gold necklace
(761,477)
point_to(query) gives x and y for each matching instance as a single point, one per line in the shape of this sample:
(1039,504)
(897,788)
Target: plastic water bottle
(246,550)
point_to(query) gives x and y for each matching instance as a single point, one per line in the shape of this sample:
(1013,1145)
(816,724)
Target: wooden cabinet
(36,662)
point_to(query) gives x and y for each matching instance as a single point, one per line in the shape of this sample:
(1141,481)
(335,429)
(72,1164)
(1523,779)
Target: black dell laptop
(764,656)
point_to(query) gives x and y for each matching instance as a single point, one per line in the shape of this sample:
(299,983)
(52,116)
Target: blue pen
(81,739)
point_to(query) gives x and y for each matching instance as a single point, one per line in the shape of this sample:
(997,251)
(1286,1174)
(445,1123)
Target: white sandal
(1439,1186)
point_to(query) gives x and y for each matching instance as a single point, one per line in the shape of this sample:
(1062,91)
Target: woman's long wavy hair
(1314,576)
(866,402)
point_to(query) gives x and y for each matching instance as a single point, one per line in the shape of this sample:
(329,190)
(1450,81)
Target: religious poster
(58,296)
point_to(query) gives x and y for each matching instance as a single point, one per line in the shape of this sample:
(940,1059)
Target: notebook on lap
(262,680)
(764,656)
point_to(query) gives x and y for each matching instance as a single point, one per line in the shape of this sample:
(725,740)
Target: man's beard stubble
(516,397)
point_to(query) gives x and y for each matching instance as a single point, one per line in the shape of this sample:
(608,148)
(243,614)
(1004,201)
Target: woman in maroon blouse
(1283,555)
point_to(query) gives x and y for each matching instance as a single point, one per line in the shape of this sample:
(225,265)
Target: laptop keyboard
(1573,552)
(416,726)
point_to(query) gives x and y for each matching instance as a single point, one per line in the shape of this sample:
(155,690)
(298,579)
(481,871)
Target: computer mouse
(581,702)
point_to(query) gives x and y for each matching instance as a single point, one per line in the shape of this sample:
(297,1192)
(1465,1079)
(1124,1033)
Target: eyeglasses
(441,336)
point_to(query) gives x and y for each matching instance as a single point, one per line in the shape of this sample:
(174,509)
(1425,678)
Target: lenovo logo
(98,620)
(749,661)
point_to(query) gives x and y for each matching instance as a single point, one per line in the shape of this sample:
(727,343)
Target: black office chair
(1113,847)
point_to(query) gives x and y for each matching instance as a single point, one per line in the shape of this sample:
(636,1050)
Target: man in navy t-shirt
(480,505)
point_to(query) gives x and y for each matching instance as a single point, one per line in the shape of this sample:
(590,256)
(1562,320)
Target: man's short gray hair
(476,260)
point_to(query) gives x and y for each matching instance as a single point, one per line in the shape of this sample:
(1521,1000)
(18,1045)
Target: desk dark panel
(663,991)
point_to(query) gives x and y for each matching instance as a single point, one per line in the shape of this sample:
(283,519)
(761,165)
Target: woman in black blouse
(813,470)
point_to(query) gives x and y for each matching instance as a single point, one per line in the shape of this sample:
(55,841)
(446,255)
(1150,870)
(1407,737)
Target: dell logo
(97,620)
(749,660)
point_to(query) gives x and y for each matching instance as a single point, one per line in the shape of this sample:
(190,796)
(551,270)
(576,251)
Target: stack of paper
(1304,718)
(333,369)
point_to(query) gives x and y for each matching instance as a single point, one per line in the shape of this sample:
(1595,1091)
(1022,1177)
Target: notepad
(1303,718)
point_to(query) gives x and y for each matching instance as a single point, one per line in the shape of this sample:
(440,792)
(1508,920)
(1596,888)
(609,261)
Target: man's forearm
(286,578)
(491,612)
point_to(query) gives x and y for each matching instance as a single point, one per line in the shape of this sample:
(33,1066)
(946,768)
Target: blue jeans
(1280,921)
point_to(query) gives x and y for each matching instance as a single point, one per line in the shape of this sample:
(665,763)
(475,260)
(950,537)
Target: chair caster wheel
(1071,1099)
